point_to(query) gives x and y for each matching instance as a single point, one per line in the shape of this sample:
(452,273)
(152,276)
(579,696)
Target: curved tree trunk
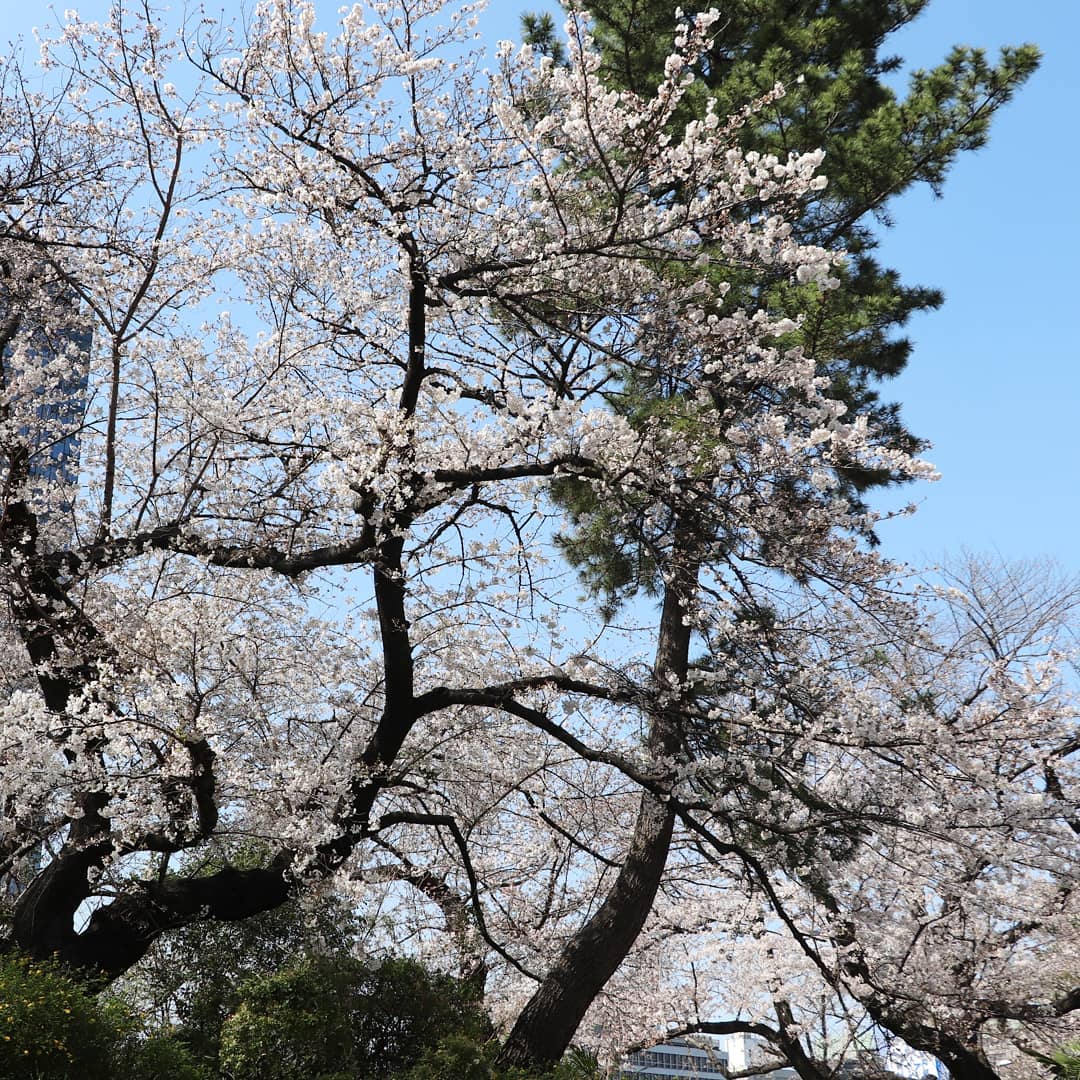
(547,1024)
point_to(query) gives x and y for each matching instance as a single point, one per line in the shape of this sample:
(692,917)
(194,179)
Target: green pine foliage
(832,58)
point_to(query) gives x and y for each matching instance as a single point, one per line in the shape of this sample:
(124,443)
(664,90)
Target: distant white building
(678,1059)
(913,1064)
(681,1059)
(685,1059)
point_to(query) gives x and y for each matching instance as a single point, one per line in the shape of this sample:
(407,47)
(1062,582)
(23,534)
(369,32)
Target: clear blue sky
(995,377)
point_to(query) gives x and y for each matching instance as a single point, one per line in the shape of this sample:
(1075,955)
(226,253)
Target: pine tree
(830,56)
(877,145)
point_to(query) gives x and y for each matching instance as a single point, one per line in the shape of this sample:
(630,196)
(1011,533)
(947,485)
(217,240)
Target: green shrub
(191,976)
(160,1057)
(50,1027)
(53,1028)
(460,1057)
(457,1057)
(332,1016)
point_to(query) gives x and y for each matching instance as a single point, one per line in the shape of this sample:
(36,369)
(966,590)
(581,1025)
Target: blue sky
(995,377)
(994,381)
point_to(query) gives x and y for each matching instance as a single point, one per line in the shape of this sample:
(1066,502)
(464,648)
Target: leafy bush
(50,1027)
(330,1017)
(459,1057)
(191,976)
(160,1057)
(53,1028)
(327,1018)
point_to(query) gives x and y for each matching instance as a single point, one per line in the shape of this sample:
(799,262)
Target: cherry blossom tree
(361,301)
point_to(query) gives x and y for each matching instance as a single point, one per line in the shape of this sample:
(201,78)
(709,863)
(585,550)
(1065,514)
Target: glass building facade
(43,392)
(675,1060)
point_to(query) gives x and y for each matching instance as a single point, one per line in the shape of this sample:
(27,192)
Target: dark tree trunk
(119,934)
(963,1057)
(547,1024)
(965,1064)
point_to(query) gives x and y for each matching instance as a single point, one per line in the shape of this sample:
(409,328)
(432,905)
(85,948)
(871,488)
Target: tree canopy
(360,301)
(841,95)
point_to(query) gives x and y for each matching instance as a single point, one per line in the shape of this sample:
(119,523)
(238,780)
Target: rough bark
(548,1022)
(119,934)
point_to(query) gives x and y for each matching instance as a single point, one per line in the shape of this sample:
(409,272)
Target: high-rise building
(43,392)
(44,388)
